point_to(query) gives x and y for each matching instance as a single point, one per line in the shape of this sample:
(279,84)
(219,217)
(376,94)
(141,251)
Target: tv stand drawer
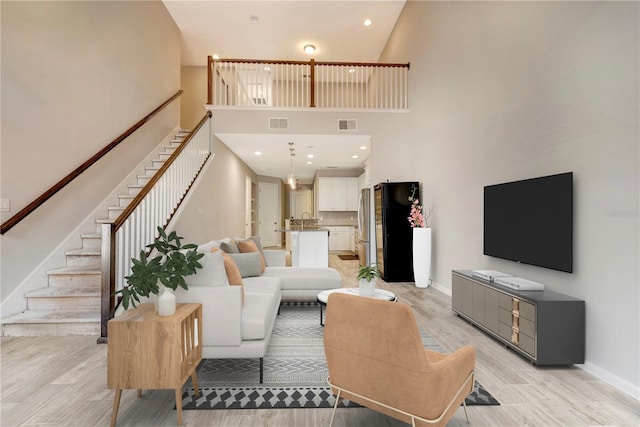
(546,327)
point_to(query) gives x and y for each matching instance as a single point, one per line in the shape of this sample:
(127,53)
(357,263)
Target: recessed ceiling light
(355,156)
(310,156)
(352,70)
(267,68)
(309,49)
(258,153)
(309,163)
(367,22)
(254,18)
(216,56)
(363,147)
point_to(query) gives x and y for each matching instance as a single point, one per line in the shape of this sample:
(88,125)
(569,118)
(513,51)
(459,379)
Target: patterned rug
(295,370)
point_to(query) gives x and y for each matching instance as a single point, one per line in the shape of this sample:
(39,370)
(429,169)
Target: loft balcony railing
(248,83)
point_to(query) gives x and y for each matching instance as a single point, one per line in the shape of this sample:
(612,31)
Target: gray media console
(545,327)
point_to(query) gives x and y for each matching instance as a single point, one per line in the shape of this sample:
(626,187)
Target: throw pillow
(249,263)
(233,274)
(229,246)
(249,246)
(212,272)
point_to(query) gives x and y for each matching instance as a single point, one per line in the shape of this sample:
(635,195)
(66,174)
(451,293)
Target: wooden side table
(148,351)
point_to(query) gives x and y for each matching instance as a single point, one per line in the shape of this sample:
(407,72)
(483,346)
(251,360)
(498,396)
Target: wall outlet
(5,205)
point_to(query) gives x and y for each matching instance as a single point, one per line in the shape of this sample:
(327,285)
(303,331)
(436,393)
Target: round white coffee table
(382,294)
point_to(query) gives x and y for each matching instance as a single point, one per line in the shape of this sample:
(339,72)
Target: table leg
(179,405)
(116,404)
(194,380)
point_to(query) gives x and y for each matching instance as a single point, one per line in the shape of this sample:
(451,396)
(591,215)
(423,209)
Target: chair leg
(464,405)
(261,369)
(335,406)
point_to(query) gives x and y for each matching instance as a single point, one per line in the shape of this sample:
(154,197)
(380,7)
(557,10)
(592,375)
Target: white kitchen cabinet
(337,194)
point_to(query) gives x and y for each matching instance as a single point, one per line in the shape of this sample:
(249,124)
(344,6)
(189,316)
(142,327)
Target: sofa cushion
(261,285)
(249,264)
(230,267)
(249,246)
(257,314)
(212,273)
(301,278)
(206,247)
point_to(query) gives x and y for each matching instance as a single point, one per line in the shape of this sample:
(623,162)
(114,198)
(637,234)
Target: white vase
(166,303)
(367,289)
(422,256)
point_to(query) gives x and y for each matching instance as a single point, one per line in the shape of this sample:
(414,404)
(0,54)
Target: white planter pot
(166,303)
(422,256)
(367,289)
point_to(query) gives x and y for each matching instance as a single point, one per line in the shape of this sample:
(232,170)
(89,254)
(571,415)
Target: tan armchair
(376,358)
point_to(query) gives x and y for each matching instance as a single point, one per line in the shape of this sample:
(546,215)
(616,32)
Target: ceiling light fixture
(291,180)
(367,22)
(310,156)
(309,49)
(254,18)
(258,153)
(363,147)
(216,56)
(355,156)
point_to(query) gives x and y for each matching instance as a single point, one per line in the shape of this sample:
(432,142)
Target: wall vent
(278,123)
(347,124)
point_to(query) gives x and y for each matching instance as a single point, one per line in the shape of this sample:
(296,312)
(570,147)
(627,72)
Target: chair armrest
(221,312)
(451,371)
(275,257)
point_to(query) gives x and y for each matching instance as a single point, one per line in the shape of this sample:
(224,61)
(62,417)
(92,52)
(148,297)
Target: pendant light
(292,178)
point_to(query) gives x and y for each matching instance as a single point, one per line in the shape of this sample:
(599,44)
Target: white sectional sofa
(238,320)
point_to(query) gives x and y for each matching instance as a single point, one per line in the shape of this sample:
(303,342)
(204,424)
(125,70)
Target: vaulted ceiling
(279,30)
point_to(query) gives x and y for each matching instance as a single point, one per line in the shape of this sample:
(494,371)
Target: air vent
(278,123)
(347,124)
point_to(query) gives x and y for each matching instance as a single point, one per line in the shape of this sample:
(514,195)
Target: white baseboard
(612,379)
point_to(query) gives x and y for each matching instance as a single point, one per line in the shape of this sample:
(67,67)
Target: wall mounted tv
(531,221)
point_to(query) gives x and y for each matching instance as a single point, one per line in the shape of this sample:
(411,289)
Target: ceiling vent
(347,124)
(278,123)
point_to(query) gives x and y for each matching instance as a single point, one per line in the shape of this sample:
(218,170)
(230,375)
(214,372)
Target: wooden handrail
(27,210)
(284,62)
(118,222)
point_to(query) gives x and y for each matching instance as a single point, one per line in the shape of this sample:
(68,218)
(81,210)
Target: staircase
(70,303)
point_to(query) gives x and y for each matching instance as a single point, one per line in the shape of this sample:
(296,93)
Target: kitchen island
(309,247)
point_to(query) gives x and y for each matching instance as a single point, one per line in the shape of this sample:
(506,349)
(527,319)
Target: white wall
(75,75)
(503,91)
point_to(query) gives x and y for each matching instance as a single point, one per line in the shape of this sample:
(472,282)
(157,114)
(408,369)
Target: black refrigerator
(394,236)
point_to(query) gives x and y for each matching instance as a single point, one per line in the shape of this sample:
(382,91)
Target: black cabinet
(546,327)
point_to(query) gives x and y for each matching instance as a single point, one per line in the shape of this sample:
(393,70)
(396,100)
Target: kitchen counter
(291,230)
(309,247)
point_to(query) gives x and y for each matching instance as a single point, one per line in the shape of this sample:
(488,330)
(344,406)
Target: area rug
(348,257)
(295,370)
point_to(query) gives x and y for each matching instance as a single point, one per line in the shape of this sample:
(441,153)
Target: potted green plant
(175,262)
(366,282)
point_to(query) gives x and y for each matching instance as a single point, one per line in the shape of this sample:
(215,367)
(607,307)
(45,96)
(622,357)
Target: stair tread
(54,316)
(64,292)
(80,269)
(83,251)
(91,236)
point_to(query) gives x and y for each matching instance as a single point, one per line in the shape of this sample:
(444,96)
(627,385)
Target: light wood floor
(62,382)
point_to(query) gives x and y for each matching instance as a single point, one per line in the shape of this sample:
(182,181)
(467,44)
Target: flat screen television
(531,221)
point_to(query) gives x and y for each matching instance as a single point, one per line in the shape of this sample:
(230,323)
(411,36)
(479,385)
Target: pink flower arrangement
(416,216)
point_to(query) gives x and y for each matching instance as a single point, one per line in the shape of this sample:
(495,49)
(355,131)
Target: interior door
(268,210)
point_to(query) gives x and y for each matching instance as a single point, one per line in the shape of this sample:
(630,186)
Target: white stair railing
(153,207)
